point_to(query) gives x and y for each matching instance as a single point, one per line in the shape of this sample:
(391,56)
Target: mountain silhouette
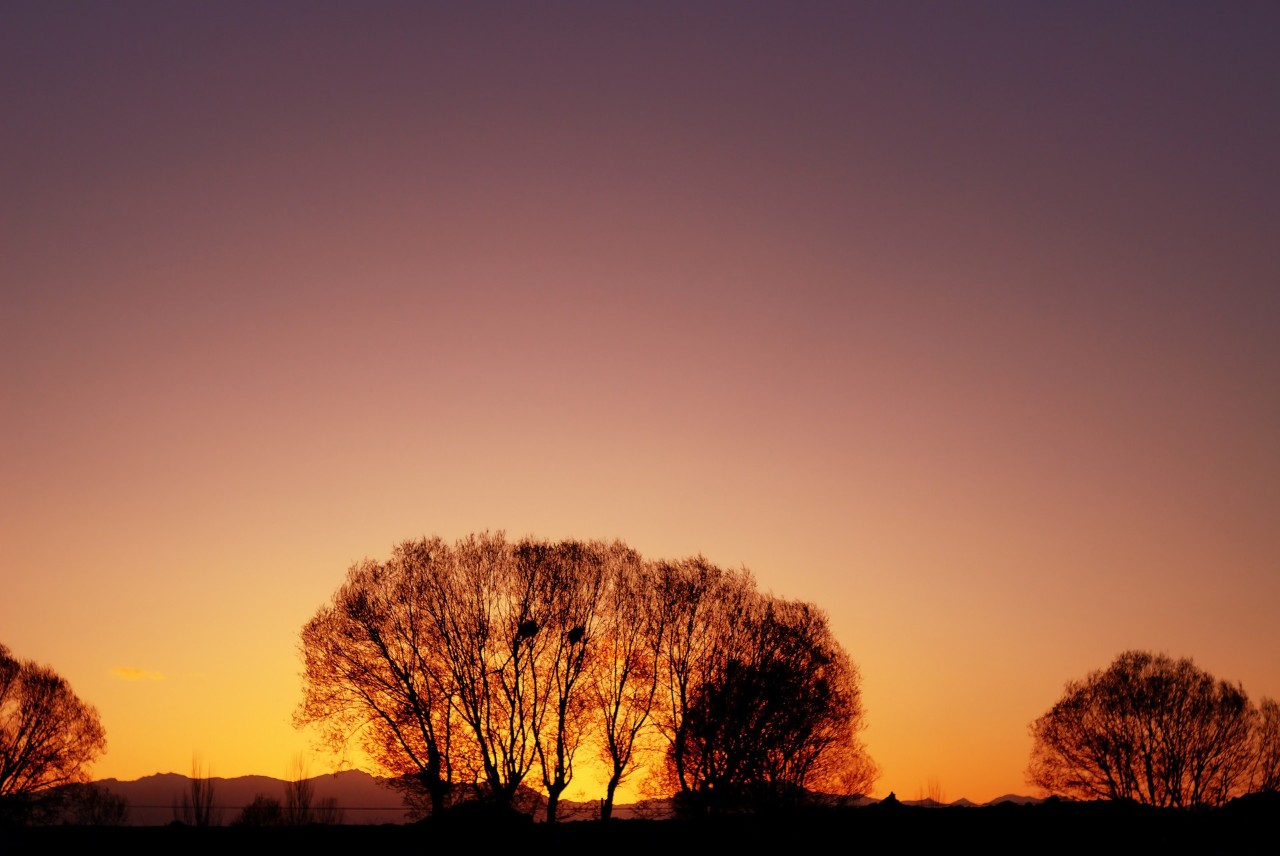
(366,799)
(362,798)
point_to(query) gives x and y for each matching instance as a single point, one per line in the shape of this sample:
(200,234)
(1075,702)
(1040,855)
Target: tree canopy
(48,736)
(1154,730)
(479,667)
(776,715)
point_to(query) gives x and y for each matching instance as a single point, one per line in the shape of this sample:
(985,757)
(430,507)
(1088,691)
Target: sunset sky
(960,320)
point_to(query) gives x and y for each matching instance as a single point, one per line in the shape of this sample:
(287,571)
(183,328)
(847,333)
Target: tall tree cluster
(486,666)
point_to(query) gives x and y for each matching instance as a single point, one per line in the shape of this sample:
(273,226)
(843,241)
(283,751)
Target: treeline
(481,672)
(476,668)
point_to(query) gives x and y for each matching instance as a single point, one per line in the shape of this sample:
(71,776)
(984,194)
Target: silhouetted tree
(627,674)
(196,806)
(575,579)
(327,812)
(1267,747)
(463,667)
(298,796)
(777,716)
(91,804)
(848,770)
(440,660)
(376,669)
(931,792)
(1150,729)
(491,615)
(701,602)
(48,736)
(263,811)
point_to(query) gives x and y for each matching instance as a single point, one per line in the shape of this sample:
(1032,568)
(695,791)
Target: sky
(959,321)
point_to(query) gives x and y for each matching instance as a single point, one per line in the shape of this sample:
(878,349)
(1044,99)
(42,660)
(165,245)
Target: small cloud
(131,674)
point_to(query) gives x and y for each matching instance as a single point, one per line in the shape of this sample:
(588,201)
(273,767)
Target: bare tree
(48,736)
(438,660)
(490,617)
(327,812)
(1267,747)
(375,670)
(849,770)
(92,804)
(1148,728)
(196,806)
(700,601)
(775,718)
(574,573)
(932,792)
(468,665)
(262,811)
(299,794)
(627,674)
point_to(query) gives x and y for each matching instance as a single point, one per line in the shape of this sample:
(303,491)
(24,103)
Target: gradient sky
(960,320)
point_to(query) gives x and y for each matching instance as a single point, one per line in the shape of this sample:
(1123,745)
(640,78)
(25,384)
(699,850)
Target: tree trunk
(553,800)
(606,804)
(438,791)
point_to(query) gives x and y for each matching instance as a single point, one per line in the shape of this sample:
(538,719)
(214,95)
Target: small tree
(932,792)
(195,805)
(48,736)
(1150,729)
(327,812)
(91,804)
(299,794)
(263,811)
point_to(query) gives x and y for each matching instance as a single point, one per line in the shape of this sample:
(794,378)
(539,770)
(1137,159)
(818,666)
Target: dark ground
(1248,825)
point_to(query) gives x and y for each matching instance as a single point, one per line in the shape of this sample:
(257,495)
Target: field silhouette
(1052,827)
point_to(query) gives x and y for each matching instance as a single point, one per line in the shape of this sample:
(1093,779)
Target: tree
(627,676)
(263,811)
(375,670)
(442,663)
(1148,728)
(490,615)
(1267,775)
(195,806)
(776,718)
(299,794)
(92,804)
(48,736)
(700,601)
(575,583)
(464,668)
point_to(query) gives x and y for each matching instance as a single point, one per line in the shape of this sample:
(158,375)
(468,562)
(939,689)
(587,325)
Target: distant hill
(1016,800)
(366,799)
(925,803)
(362,798)
(965,803)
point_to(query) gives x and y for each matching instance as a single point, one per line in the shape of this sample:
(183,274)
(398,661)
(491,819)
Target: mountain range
(362,798)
